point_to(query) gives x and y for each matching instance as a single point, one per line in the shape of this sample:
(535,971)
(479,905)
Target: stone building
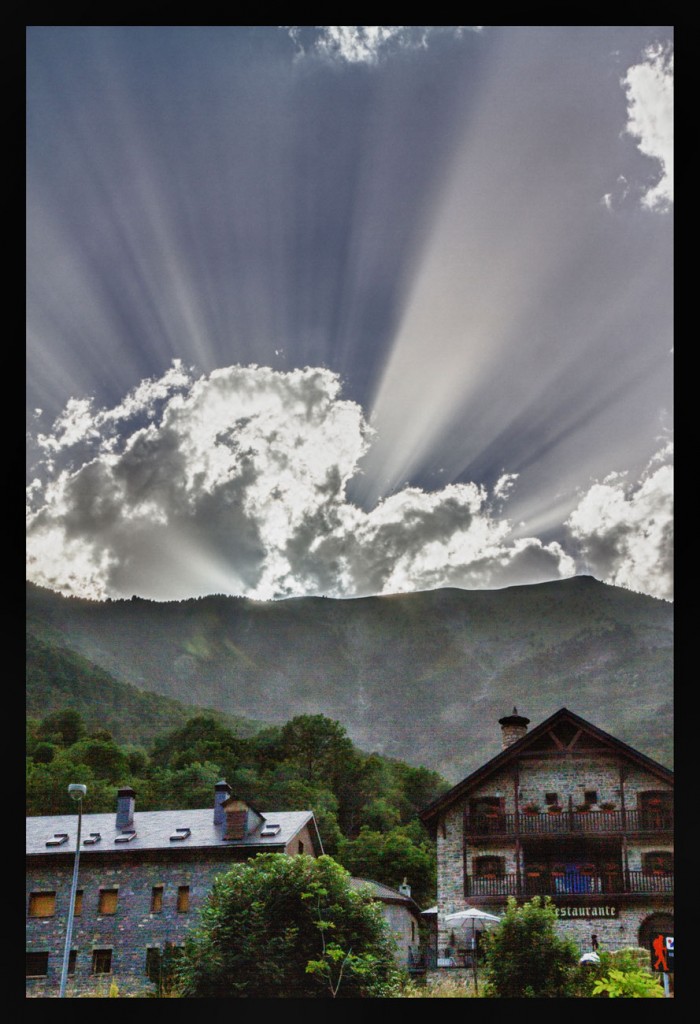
(402,914)
(564,810)
(143,875)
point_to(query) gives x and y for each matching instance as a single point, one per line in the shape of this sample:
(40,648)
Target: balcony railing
(570,821)
(552,883)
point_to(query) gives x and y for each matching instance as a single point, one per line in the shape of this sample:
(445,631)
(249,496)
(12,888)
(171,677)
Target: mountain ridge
(422,677)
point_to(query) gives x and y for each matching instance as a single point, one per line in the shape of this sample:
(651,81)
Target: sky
(348,311)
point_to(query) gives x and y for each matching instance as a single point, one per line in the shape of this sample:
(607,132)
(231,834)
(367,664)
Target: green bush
(288,927)
(525,958)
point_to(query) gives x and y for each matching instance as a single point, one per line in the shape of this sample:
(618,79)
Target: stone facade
(608,869)
(159,891)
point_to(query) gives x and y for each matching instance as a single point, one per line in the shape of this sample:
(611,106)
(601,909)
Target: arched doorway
(655,924)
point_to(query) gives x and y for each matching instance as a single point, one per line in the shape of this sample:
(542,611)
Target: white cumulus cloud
(625,531)
(235,482)
(366,44)
(649,88)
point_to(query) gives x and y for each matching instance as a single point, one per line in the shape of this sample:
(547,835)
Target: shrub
(525,958)
(288,927)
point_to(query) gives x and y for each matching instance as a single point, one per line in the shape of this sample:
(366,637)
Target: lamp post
(76,792)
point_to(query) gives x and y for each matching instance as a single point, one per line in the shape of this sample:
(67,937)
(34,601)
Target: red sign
(662,953)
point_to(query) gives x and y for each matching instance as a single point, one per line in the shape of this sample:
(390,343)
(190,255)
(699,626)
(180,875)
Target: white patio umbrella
(477,917)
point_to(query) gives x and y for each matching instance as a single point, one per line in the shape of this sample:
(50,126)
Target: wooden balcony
(571,884)
(569,822)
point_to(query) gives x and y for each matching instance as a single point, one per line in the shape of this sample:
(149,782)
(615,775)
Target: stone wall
(130,931)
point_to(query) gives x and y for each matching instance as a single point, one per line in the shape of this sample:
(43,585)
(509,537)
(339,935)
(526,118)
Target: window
(42,904)
(590,796)
(156,899)
(37,965)
(489,867)
(183,899)
(153,963)
(660,862)
(551,798)
(300,847)
(78,905)
(108,901)
(72,957)
(102,961)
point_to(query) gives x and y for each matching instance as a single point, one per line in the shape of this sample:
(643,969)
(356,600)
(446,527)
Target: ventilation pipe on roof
(513,727)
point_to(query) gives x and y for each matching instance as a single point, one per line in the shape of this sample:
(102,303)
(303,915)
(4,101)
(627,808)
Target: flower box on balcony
(531,809)
(554,809)
(607,805)
(582,808)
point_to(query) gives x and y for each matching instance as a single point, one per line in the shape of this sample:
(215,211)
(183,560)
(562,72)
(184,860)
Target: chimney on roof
(513,727)
(222,791)
(405,888)
(126,802)
(241,819)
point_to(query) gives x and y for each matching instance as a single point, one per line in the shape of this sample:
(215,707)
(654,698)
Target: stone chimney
(513,727)
(222,791)
(126,802)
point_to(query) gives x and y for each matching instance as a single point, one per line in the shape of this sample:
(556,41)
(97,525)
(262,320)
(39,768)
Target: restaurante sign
(590,911)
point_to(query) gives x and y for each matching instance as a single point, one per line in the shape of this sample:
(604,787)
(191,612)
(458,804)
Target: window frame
(104,893)
(39,894)
(98,953)
(183,899)
(37,953)
(157,893)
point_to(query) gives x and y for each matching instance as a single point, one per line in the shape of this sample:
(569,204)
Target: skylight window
(93,838)
(59,838)
(126,836)
(180,833)
(270,830)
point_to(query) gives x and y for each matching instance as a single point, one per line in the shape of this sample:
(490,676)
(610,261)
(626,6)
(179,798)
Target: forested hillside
(421,677)
(366,806)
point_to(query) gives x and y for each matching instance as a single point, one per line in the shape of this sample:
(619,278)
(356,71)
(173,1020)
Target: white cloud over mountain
(234,482)
(626,530)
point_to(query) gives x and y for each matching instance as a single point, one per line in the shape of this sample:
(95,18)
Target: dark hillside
(421,677)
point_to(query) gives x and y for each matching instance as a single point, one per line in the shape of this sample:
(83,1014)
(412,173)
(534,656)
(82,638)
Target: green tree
(63,727)
(288,927)
(389,857)
(526,958)
(106,758)
(202,738)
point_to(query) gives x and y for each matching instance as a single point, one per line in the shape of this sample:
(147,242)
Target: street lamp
(76,792)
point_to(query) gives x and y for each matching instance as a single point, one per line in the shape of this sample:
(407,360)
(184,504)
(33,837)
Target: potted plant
(554,809)
(607,805)
(582,808)
(531,807)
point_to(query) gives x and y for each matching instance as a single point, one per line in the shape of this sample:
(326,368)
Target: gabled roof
(545,737)
(385,893)
(153,830)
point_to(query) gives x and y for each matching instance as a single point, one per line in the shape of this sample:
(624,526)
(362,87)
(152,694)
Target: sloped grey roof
(154,828)
(386,893)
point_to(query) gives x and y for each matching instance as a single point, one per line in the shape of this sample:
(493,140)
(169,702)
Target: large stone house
(143,874)
(564,810)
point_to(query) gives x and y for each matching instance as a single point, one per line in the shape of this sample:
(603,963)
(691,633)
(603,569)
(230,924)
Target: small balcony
(553,883)
(569,822)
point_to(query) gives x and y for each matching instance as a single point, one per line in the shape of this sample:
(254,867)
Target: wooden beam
(574,741)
